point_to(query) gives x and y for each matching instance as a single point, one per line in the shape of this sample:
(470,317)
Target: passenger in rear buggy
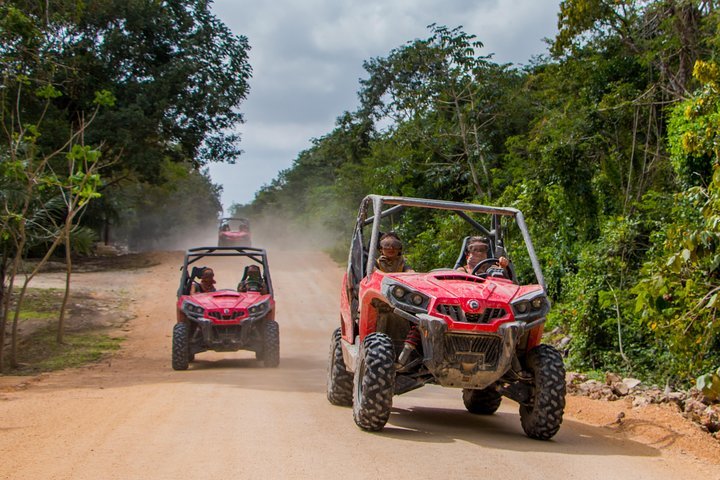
(252,281)
(207,282)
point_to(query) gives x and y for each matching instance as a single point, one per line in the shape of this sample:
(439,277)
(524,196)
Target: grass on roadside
(38,350)
(39,303)
(41,352)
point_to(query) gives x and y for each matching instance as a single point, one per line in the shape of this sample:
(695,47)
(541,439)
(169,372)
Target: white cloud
(307,59)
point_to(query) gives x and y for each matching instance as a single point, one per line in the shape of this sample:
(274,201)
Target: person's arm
(406,267)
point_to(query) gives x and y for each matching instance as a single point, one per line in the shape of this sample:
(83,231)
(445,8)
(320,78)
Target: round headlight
(398,292)
(537,303)
(521,307)
(417,299)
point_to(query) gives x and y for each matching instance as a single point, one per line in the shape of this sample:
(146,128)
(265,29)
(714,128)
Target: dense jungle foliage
(608,144)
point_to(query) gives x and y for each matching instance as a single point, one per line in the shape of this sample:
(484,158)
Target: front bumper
(226,338)
(469,360)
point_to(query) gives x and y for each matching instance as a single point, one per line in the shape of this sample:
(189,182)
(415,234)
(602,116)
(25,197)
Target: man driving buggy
(476,251)
(252,281)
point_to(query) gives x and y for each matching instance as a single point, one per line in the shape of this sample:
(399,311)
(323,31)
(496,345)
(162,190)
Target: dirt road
(133,417)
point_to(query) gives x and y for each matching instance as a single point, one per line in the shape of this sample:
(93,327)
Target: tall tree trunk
(68,275)
(4,304)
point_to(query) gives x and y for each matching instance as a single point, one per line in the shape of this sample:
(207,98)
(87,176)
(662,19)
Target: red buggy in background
(226,320)
(234,232)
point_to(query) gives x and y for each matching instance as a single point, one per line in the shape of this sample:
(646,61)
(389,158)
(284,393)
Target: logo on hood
(474,304)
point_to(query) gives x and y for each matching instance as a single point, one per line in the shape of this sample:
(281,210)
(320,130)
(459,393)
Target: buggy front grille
(486,316)
(452,311)
(231,316)
(484,350)
(458,315)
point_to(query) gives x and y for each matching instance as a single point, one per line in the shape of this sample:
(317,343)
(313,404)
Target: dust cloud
(269,232)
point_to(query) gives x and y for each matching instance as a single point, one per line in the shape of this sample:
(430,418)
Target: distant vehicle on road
(234,232)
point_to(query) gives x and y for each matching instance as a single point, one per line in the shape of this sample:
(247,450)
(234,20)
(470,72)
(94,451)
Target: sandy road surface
(135,418)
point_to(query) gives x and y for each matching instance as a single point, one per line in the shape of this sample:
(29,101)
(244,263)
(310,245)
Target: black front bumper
(226,338)
(468,360)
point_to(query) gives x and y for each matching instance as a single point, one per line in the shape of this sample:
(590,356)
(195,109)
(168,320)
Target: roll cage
(193,255)
(373,208)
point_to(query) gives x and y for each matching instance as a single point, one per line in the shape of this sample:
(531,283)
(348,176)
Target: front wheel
(542,416)
(180,346)
(339,380)
(271,344)
(481,402)
(374,382)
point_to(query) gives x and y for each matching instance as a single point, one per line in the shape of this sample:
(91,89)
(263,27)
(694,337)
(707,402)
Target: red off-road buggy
(226,320)
(479,332)
(234,232)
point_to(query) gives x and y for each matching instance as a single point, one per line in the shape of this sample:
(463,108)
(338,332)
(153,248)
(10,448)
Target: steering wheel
(491,260)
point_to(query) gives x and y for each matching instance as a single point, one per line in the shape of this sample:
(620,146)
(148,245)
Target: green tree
(678,298)
(177,73)
(445,105)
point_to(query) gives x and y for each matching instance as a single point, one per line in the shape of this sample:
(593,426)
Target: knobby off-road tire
(180,347)
(542,418)
(374,382)
(481,402)
(339,380)
(271,344)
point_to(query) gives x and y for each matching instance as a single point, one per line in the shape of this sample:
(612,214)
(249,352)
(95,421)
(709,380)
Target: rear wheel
(271,344)
(180,347)
(481,402)
(339,380)
(542,416)
(374,382)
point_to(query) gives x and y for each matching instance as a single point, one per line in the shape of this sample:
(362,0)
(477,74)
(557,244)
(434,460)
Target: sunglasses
(477,249)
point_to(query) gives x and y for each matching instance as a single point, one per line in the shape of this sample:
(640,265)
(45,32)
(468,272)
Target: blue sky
(307,61)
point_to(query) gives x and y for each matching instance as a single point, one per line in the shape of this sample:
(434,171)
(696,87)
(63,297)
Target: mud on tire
(180,346)
(374,382)
(481,402)
(339,380)
(271,344)
(542,417)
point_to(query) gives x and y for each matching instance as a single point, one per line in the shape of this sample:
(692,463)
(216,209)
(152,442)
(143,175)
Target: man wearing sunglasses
(475,252)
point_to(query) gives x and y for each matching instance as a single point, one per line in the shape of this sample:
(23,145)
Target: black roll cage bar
(258,255)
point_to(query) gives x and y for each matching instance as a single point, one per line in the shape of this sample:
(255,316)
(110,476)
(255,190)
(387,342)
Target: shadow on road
(503,431)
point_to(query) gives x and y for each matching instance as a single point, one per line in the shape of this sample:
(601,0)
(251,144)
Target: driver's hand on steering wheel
(503,262)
